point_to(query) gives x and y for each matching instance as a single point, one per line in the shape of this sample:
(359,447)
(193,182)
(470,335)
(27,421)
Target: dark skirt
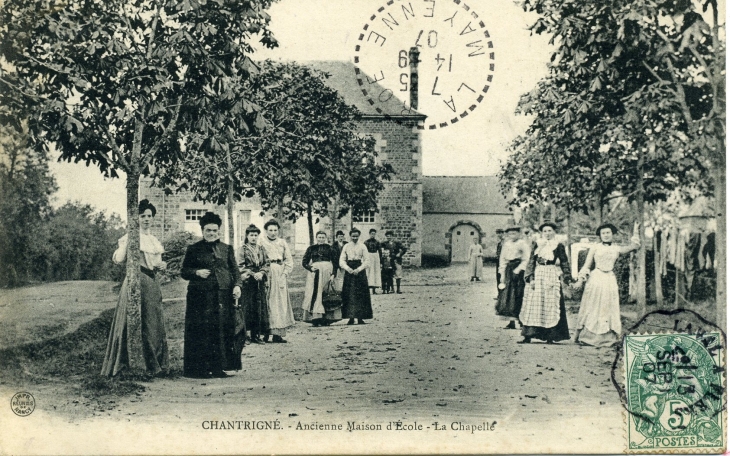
(253,302)
(356,294)
(210,333)
(154,336)
(556,333)
(509,302)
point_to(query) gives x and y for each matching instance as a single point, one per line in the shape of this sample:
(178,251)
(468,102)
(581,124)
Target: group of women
(230,293)
(531,288)
(337,279)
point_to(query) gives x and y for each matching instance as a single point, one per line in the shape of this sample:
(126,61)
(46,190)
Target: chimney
(413,58)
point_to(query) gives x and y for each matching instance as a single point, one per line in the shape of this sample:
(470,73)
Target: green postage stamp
(675,392)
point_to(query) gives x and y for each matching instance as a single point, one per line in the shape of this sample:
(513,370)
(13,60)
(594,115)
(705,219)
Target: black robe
(212,342)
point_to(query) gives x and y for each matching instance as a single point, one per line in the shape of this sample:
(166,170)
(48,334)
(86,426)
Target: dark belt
(545,262)
(277,262)
(148,272)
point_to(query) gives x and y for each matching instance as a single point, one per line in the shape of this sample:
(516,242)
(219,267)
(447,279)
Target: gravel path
(434,354)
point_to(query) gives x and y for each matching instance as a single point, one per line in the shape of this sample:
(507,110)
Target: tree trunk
(229,202)
(720,243)
(229,208)
(567,232)
(540,214)
(553,211)
(658,292)
(134,309)
(333,216)
(309,224)
(280,213)
(641,280)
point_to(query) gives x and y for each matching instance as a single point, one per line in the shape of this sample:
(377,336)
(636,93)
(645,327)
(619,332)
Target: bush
(175,247)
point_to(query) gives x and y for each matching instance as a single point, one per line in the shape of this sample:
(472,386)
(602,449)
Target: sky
(328,30)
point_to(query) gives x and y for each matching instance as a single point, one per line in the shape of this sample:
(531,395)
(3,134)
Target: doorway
(462,236)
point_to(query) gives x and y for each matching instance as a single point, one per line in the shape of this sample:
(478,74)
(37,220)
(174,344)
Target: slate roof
(463,195)
(344,80)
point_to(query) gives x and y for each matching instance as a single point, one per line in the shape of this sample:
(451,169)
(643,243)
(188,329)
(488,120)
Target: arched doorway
(461,236)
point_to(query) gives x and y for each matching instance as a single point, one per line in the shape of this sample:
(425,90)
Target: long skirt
(509,301)
(314,287)
(339,279)
(543,308)
(475,266)
(281,315)
(253,301)
(154,336)
(373,270)
(599,318)
(356,294)
(210,333)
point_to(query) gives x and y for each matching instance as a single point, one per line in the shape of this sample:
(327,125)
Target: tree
(26,186)
(122,85)
(307,154)
(77,243)
(614,67)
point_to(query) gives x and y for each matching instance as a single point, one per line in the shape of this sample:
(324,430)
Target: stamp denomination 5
(674,391)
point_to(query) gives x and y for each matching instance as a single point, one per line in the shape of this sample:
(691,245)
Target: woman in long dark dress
(210,325)
(320,260)
(543,307)
(355,291)
(154,336)
(254,267)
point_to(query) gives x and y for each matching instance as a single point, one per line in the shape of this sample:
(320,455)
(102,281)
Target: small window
(192,219)
(364,217)
(193,215)
(458,233)
(472,233)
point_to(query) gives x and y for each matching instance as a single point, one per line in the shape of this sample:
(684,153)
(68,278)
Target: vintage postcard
(362,227)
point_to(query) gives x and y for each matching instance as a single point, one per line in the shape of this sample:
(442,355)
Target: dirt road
(435,354)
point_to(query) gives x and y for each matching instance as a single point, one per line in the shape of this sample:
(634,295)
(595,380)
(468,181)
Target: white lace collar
(546,248)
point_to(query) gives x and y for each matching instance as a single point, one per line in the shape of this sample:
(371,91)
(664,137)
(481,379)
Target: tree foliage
(308,152)
(608,98)
(124,84)
(26,186)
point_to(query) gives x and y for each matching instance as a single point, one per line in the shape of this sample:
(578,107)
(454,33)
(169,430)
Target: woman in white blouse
(355,292)
(599,317)
(154,336)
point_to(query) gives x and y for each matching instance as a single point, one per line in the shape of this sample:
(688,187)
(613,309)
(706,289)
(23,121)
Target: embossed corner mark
(439,57)
(674,392)
(22,404)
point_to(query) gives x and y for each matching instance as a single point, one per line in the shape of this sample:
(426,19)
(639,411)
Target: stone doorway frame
(448,233)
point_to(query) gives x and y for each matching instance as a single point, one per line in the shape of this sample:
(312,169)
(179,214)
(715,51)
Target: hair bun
(144,205)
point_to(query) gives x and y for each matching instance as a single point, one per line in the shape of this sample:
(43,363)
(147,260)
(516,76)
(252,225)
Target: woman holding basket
(320,260)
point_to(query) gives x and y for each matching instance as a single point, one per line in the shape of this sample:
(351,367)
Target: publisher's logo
(22,404)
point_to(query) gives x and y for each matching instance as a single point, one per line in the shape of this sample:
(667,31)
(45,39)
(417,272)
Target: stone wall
(436,236)
(401,202)
(171,214)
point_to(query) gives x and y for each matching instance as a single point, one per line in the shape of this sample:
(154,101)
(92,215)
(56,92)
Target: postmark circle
(22,403)
(426,58)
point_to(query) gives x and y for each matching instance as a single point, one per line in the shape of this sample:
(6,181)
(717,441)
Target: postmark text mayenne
(433,57)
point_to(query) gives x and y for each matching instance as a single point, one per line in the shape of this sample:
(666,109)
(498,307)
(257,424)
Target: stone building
(458,209)
(398,142)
